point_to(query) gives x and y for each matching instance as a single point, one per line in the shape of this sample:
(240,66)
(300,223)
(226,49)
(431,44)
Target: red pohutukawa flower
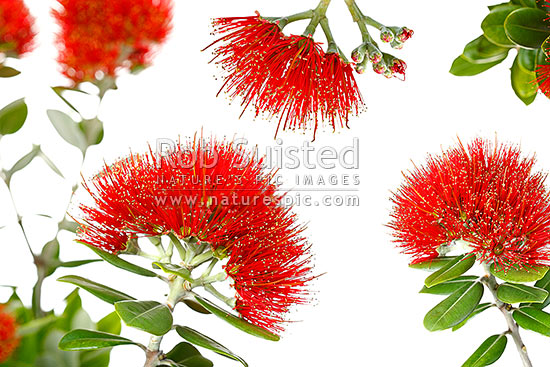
(485,194)
(99,37)
(543,71)
(16,33)
(8,338)
(223,197)
(281,75)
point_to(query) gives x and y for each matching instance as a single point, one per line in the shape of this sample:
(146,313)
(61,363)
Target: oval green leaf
(237,322)
(13,116)
(527,59)
(464,67)
(513,275)
(522,83)
(68,129)
(533,319)
(527,27)
(120,263)
(149,316)
(453,269)
(433,264)
(543,283)
(482,51)
(81,339)
(455,308)
(8,72)
(187,355)
(517,293)
(488,352)
(450,286)
(493,25)
(204,341)
(101,291)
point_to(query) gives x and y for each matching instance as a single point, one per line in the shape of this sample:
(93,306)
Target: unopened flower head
(386,35)
(279,75)
(223,198)
(404,34)
(485,194)
(8,337)
(100,37)
(16,33)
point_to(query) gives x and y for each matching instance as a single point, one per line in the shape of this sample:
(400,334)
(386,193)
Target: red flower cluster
(485,194)
(8,338)
(98,37)
(16,34)
(288,76)
(222,196)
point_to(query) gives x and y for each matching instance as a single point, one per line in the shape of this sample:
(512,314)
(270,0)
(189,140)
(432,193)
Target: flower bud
(404,34)
(362,66)
(386,35)
(358,54)
(380,68)
(375,55)
(397,45)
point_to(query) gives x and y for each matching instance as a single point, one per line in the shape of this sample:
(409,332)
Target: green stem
(374,23)
(332,47)
(230,301)
(284,21)
(491,283)
(177,244)
(319,13)
(201,258)
(360,19)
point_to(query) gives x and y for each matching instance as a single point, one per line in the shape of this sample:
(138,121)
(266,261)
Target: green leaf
(49,162)
(493,25)
(455,308)
(527,3)
(7,72)
(527,27)
(59,91)
(235,321)
(451,270)
(533,319)
(120,263)
(89,339)
(203,341)
(195,306)
(101,291)
(13,116)
(488,352)
(68,129)
(24,161)
(479,309)
(463,67)
(110,324)
(513,275)
(176,270)
(433,264)
(76,263)
(450,286)
(482,51)
(93,130)
(527,59)
(517,293)
(149,316)
(522,83)
(187,355)
(543,283)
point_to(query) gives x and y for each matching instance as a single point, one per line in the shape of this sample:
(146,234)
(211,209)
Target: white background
(367,310)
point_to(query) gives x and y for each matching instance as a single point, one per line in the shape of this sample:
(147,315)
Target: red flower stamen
(100,37)
(16,23)
(280,75)
(8,338)
(485,194)
(220,195)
